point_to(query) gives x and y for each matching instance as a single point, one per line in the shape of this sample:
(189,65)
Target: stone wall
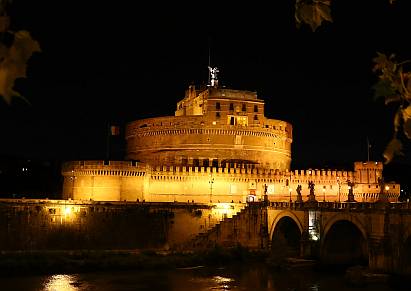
(67,224)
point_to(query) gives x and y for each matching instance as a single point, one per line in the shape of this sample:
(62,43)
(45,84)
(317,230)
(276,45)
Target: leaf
(13,65)
(383,88)
(312,12)
(407,128)
(397,120)
(394,148)
(406,116)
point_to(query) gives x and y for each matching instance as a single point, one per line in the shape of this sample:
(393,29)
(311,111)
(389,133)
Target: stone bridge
(377,234)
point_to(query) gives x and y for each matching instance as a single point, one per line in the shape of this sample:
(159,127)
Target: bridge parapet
(338,206)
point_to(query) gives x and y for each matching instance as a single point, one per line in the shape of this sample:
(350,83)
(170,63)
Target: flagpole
(108,142)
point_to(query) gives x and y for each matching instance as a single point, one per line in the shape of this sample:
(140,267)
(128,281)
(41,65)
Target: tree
(394,81)
(16,49)
(394,85)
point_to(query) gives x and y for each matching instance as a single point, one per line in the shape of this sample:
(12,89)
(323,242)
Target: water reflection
(234,278)
(61,283)
(222,282)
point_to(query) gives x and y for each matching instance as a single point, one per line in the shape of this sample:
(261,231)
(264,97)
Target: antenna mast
(368,149)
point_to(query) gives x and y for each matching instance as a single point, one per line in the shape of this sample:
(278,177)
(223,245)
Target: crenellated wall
(128,181)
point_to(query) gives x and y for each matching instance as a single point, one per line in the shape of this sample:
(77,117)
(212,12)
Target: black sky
(118,61)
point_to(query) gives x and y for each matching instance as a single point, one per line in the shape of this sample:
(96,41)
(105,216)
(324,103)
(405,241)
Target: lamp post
(339,188)
(211,182)
(72,184)
(324,193)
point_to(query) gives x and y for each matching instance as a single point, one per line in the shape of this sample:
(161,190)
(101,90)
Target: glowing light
(314,237)
(223,206)
(214,122)
(67,210)
(387,187)
(61,283)
(220,279)
(224,209)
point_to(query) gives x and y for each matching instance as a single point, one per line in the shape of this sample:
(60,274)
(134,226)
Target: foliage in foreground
(394,85)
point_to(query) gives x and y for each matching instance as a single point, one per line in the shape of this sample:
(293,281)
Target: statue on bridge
(311,197)
(299,197)
(350,191)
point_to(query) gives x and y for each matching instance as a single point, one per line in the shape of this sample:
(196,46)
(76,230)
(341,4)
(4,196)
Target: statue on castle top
(213,75)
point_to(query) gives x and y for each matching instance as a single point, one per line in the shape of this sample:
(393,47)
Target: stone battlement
(201,125)
(254,172)
(103,168)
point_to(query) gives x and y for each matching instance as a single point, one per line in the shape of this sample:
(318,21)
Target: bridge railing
(340,205)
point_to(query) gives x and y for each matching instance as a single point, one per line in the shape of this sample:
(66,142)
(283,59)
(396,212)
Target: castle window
(196,162)
(214,163)
(217,114)
(255,117)
(217,106)
(184,161)
(231,106)
(255,108)
(244,108)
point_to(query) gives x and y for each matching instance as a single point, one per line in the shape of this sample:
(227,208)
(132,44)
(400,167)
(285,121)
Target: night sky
(116,62)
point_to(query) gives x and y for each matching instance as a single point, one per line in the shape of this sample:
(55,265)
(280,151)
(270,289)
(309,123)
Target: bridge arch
(282,214)
(344,241)
(285,235)
(345,216)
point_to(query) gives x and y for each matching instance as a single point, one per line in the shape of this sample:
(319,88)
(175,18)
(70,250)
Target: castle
(219,147)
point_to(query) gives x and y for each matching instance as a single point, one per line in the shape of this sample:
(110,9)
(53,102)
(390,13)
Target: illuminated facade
(219,147)
(215,127)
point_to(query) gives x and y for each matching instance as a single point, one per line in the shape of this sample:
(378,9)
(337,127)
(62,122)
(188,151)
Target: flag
(115,130)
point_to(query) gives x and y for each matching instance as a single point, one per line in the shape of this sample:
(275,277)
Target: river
(235,277)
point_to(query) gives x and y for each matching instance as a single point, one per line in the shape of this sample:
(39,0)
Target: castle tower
(212,126)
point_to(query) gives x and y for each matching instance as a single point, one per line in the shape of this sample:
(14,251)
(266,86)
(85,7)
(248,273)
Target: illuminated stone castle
(218,147)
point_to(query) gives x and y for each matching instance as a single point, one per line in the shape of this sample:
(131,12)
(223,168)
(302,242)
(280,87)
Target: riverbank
(78,261)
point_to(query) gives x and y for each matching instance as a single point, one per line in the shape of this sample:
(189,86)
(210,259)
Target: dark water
(239,277)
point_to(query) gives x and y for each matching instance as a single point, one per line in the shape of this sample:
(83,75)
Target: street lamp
(72,184)
(339,188)
(211,182)
(324,193)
